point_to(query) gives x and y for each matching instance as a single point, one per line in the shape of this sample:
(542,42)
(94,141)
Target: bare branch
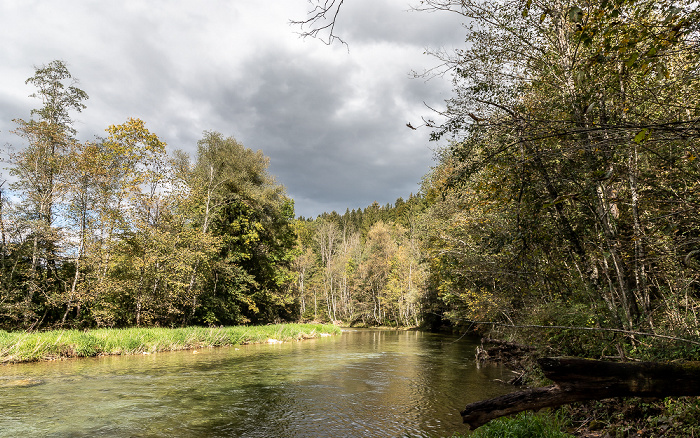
(594,329)
(321,21)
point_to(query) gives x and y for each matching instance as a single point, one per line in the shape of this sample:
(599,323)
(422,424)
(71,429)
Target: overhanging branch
(594,329)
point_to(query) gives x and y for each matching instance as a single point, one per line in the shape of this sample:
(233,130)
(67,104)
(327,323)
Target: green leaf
(632,59)
(641,136)
(581,76)
(576,14)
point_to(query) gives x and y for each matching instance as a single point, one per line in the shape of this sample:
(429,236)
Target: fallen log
(584,379)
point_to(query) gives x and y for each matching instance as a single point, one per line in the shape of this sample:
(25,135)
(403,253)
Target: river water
(364,383)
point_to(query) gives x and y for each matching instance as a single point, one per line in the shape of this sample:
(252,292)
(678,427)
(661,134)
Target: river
(363,383)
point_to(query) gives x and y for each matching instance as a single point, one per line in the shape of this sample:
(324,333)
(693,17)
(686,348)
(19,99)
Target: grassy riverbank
(58,344)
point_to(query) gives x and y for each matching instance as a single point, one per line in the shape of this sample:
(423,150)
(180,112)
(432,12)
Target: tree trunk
(585,379)
(639,256)
(76,276)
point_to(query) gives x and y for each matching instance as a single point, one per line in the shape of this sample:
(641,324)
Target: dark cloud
(331,121)
(397,22)
(320,149)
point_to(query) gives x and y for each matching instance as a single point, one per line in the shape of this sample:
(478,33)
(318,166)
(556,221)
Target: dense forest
(567,194)
(364,267)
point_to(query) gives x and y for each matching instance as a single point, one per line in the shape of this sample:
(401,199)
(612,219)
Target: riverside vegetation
(59,344)
(565,202)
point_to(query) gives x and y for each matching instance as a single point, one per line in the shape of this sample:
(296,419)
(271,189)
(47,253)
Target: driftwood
(583,379)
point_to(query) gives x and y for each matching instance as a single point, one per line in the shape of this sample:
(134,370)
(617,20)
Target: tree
(376,269)
(243,206)
(40,171)
(140,180)
(321,21)
(86,172)
(327,237)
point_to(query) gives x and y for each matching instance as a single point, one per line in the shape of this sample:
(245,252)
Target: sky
(332,119)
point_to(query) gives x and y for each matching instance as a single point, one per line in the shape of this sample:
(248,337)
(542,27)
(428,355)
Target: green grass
(29,347)
(524,425)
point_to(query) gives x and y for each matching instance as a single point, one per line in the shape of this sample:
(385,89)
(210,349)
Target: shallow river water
(364,383)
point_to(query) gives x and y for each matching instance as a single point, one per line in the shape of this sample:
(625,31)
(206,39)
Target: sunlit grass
(29,347)
(524,425)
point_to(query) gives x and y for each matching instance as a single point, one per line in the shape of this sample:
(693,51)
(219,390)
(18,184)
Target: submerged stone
(19,383)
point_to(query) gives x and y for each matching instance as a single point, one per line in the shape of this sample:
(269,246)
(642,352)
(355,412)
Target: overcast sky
(332,121)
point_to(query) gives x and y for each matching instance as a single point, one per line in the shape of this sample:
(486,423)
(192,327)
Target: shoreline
(23,347)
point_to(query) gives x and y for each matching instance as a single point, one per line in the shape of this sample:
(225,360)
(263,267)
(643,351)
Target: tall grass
(524,425)
(29,347)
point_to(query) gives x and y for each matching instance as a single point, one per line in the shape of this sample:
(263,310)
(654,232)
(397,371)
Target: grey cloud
(395,21)
(332,122)
(352,160)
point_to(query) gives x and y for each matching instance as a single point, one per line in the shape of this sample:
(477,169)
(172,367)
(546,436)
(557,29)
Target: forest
(567,194)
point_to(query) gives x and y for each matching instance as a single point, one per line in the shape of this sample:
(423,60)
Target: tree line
(118,232)
(363,267)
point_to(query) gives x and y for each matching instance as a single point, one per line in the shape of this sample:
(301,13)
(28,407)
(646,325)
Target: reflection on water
(365,383)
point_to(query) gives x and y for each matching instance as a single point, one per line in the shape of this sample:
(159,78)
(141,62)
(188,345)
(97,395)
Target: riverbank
(631,417)
(18,347)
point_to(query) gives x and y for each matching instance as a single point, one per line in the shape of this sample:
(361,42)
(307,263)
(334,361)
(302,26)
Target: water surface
(364,383)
